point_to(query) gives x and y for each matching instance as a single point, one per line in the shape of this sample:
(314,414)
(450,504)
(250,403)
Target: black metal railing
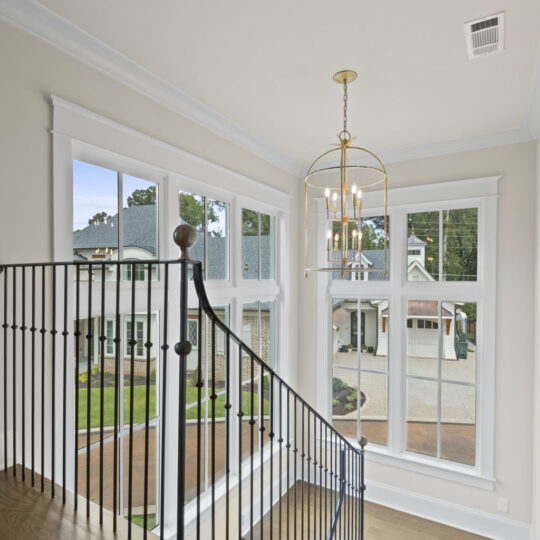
(209,441)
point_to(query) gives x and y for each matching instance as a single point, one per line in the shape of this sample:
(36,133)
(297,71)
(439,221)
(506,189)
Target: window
(210,219)
(258,329)
(360,360)
(137,336)
(435,308)
(137,272)
(373,252)
(109,330)
(449,244)
(441,382)
(193,332)
(115,217)
(258,248)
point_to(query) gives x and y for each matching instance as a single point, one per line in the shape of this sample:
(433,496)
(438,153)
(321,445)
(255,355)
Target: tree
(142,197)
(191,210)
(459,238)
(100,217)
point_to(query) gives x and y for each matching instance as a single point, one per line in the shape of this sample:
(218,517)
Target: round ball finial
(184,237)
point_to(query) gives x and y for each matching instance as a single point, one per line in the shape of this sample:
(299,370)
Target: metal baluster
(102,339)
(280,441)
(261,440)
(42,331)
(5,326)
(240,445)
(148,346)
(321,466)
(14,370)
(227,435)
(23,374)
(183,349)
(132,343)
(53,381)
(89,338)
(165,348)
(363,442)
(308,471)
(213,401)
(118,408)
(77,368)
(271,435)
(252,441)
(33,376)
(326,478)
(288,462)
(199,385)
(295,475)
(65,334)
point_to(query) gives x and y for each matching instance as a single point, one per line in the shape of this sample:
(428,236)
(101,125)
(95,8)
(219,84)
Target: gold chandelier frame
(349,222)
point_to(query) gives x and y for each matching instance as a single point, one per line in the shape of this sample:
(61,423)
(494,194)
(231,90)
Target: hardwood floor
(381,523)
(28,514)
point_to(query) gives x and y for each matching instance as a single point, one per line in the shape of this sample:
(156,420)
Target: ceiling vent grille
(485,36)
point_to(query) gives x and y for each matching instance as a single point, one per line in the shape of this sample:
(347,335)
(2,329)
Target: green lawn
(139,401)
(139,520)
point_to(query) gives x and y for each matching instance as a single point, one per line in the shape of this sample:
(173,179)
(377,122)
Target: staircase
(109,409)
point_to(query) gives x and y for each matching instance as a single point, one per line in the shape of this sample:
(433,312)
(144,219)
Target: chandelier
(335,184)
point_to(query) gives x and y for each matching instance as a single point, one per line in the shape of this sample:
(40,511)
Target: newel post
(184,236)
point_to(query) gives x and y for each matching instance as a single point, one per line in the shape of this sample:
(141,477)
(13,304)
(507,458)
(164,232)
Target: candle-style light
(341,181)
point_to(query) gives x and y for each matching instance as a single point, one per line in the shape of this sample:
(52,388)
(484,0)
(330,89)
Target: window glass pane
(95,216)
(423,341)
(460,364)
(250,326)
(458,423)
(373,253)
(373,339)
(191,211)
(374,410)
(345,332)
(423,246)
(267,325)
(266,246)
(345,401)
(460,244)
(217,240)
(250,244)
(140,227)
(422,405)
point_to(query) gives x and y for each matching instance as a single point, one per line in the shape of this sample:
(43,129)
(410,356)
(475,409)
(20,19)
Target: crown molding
(46,25)
(456,146)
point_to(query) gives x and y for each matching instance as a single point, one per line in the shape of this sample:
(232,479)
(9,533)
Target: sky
(95,189)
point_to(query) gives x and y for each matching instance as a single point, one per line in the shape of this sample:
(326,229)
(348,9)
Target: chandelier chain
(345,98)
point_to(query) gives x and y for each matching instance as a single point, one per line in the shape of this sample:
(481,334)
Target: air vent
(485,36)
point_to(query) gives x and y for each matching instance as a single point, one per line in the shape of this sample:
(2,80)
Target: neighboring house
(371,335)
(99,243)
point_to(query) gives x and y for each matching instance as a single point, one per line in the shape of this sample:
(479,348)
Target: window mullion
(120,180)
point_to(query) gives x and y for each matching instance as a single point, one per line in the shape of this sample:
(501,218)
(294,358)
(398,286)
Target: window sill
(461,474)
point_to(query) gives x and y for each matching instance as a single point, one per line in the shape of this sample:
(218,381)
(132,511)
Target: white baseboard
(454,515)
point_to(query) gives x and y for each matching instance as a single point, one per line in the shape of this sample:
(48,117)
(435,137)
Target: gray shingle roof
(140,230)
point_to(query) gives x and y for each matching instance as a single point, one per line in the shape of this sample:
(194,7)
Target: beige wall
(515,329)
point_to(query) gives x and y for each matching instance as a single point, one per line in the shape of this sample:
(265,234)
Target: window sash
(399,291)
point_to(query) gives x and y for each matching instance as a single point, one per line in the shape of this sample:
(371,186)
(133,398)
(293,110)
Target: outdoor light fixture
(342,175)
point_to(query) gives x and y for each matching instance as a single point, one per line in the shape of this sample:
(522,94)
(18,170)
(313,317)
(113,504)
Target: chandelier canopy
(341,175)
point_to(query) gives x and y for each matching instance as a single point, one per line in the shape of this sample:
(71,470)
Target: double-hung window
(412,352)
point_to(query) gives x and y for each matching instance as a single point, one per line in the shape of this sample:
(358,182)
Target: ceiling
(267,66)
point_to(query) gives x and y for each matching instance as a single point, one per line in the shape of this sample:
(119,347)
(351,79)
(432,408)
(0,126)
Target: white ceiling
(267,66)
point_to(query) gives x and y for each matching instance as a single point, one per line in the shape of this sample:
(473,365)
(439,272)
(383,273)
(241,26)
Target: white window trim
(81,134)
(478,192)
